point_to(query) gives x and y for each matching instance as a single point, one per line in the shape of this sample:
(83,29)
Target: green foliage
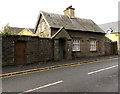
(6,31)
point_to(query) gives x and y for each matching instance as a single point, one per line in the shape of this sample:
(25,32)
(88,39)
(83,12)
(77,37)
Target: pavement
(42,65)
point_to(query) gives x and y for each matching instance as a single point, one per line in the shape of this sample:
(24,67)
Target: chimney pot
(69,7)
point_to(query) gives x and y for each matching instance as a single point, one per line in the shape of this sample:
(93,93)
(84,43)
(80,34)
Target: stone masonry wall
(42,49)
(37,50)
(85,38)
(7,50)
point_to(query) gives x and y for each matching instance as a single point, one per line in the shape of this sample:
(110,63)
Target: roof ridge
(63,15)
(51,13)
(82,18)
(20,27)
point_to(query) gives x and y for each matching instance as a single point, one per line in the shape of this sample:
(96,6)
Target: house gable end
(26,32)
(42,28)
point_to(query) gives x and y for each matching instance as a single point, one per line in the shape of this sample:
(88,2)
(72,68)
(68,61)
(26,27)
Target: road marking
(103,69)
(50,68)
(42,87)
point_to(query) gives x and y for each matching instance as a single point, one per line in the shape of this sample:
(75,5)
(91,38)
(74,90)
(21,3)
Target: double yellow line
(54,67)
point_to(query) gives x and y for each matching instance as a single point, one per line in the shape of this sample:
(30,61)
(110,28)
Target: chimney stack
(69,12)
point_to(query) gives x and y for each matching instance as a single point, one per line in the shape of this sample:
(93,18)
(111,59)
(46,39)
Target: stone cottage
(57,37)
(73,36)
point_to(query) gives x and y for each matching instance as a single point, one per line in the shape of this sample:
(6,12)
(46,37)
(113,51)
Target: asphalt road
(99,76)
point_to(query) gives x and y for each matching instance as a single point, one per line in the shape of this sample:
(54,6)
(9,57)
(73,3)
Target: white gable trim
(44,18)
(25,29)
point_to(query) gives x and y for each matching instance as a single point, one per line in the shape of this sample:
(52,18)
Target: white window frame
(76,45)
(93,46)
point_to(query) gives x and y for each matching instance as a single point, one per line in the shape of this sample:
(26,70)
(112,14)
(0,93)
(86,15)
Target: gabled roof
(112,25)
(25,30)
(61,33)
(58,21)
(17,30)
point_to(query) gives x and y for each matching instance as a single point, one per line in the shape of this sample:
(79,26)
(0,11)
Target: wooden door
(20,52)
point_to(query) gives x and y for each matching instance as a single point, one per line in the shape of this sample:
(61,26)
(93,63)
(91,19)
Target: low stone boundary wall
(37,49)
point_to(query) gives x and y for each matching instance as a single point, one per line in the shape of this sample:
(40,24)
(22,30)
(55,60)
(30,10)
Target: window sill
(76,51)
(93,51)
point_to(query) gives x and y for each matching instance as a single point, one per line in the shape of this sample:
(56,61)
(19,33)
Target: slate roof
(113,25)
(16,30)
(58,21)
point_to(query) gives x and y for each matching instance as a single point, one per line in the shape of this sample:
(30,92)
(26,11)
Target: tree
(6,31)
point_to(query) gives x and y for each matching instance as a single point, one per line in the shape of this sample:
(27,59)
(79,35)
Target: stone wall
(44,49)
(110,47)
(7,50)
(38,49)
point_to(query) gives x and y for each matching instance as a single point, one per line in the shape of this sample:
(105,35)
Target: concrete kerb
(52,67)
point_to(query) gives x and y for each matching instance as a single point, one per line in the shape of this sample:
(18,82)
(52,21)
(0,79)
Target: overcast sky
(24,13)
